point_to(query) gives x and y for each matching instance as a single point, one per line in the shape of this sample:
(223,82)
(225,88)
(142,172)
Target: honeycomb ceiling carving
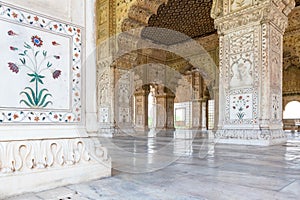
(190,17)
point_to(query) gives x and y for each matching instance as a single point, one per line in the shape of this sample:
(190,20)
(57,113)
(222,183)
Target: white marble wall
(67,10)
(37,155)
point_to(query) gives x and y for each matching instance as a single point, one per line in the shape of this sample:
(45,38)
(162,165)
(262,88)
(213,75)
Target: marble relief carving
(124,115)
(103,87)
(241,76)
(104,115)
(20,156)
(276,107)
(241,67)
(239,4)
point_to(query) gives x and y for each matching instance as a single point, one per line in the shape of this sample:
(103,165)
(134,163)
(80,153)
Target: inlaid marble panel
(40,68)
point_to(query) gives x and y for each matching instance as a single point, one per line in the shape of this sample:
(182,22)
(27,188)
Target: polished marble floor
(189,167)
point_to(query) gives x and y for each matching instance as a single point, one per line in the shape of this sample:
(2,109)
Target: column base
(198,128)
(164,132)
(250,137)
(106,132)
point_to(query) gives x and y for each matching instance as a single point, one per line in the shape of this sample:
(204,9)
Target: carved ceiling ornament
(191,17)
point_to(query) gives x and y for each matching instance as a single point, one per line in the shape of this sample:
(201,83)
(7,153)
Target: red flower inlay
(36,119)
(37,41)
(36,18)
(14,15)
(11,33)
(13,67)
(55,26)
(54,43)
(15,116)
(240,97)
(56,74)
(55,116)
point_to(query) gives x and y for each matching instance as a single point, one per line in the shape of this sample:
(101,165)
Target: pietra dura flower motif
(36,62)
(240,104)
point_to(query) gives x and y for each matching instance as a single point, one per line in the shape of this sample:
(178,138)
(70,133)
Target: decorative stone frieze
(19,156)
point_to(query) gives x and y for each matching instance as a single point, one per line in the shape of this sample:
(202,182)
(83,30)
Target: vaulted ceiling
(177,17)
(190,17)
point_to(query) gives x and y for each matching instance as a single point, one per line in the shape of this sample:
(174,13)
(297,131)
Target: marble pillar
(250,85)
(198,103)
(141,109)
(164,109)
(106,97)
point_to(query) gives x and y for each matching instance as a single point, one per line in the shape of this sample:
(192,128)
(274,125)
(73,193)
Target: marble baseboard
(51,178)
(35,165)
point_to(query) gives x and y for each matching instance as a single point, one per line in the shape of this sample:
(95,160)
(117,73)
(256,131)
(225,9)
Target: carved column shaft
(197,102)
(251,71)
(141,108)
(164,108)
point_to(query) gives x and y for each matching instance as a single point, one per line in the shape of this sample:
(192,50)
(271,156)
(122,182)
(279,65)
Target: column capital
(142,91)
(229,14)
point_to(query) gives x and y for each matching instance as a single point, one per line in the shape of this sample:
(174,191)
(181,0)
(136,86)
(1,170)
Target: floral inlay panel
(241,107)
(40,67)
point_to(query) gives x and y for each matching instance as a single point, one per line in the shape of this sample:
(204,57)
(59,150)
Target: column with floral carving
(250,86)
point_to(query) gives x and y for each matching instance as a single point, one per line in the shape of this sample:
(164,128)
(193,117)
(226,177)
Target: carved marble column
(250,36)
(216,108)
(106,97)
(141,108)
(164,109)
(123,101)
(197,102)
